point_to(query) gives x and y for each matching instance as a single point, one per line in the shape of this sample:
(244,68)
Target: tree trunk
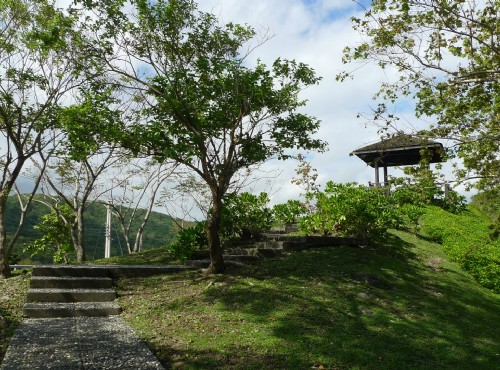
(4,257)
(214,245)
(77,237)
(4,265)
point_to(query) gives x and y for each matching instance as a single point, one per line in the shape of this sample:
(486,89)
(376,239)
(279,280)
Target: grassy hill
(160,230)
(404,304)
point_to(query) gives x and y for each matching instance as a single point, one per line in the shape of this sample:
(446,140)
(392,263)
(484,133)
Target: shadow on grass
(342,307)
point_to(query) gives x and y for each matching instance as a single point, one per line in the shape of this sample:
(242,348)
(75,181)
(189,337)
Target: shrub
(55,228)
(289,212)
(245,216)
(483,263)
(465,239)
(188,242)
(488,201)
(352,210)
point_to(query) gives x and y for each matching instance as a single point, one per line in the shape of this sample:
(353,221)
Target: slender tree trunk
(77,237)
(4,255)
(214,245)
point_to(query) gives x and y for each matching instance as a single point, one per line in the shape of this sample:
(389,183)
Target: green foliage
(245,215)
(55,228)
(411,215)
(459,93)
(289,212)
(488,201)
(205,106)
(38,68)
(352,210)
(483,262)
(420,187)
(465,238)
(85,137)
(495,229)
(188,242)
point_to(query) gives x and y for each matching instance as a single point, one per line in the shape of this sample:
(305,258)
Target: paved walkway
(77,343)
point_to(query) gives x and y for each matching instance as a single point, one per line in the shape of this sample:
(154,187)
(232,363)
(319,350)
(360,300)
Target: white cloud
(315,32)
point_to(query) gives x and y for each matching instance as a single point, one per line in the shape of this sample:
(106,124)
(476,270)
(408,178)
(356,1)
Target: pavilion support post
(377,177)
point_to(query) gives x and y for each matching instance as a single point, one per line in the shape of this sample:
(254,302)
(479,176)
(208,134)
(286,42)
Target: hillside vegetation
(160,231)
(466,239)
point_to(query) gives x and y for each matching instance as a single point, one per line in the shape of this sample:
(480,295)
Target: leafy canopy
(447,57)
(198,99)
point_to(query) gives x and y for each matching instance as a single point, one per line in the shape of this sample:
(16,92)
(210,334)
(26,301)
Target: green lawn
(399,306)
(12,298)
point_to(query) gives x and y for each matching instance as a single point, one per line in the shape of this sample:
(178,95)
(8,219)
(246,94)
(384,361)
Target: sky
(315,32)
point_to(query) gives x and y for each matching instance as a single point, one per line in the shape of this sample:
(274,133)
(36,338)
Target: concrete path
(77,343)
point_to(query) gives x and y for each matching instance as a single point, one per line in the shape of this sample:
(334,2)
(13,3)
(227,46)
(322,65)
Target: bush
(352,210)
(245,216)
(488,201)
(483,263)
(55,228)
(289,212)
(465,239)
(189,241)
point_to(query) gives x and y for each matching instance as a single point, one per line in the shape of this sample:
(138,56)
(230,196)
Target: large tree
(36,71)
(446,56)
(205,105)
(73,171)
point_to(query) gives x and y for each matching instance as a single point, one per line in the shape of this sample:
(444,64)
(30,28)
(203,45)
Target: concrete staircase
(70,291)
(274,244)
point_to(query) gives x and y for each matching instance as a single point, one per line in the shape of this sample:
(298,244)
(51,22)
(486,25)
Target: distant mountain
(160,230)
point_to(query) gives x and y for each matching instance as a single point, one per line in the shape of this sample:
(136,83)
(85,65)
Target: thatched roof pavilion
(400,150)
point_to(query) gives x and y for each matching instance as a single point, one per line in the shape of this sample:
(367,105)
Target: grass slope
(399,306)
(12,299)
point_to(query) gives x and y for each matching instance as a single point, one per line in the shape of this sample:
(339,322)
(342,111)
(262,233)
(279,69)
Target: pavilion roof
(400,150)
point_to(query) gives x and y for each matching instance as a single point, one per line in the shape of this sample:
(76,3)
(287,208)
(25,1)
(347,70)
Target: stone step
(70,295)
(203,263)
(269,252)
(44,310)
(256,252)
(70,271)
(284,245)
(284,237)
(199,264)
(68,282)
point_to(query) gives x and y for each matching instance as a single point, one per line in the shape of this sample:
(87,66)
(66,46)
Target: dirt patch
(434,263)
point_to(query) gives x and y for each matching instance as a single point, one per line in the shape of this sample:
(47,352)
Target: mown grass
(401,305)
(12,298)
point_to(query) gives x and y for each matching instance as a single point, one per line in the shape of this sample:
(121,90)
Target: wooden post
(377,178)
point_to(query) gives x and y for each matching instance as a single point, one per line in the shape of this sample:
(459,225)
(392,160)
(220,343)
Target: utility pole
(107,245)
